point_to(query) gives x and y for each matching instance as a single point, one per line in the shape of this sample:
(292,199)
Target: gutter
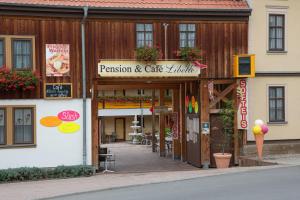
(84,152)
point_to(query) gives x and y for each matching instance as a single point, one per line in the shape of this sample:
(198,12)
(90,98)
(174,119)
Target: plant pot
(222,160)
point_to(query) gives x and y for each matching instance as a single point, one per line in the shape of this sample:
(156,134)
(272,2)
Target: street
(273,184)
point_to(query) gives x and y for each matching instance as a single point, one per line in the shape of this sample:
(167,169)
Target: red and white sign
(68,115)
(242,92)
(57,59)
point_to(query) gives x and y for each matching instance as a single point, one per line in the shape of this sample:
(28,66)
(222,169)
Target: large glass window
(2,126)
(22,54)
(2,53)
(276,104)
(187,33)
(144,35)
(23,126)
(276,32)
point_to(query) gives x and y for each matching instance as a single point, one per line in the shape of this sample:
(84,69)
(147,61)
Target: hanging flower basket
(16,81)
(148,54)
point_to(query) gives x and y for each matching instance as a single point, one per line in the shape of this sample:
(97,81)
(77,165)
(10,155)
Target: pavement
(132,171)
(271,184)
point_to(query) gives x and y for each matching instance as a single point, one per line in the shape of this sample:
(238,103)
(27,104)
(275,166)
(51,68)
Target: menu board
(57,90)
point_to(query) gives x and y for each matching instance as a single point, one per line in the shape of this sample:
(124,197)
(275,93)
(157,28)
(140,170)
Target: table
(106,156)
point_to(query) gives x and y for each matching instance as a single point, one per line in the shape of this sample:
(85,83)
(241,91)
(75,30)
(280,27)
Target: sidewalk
(51,188)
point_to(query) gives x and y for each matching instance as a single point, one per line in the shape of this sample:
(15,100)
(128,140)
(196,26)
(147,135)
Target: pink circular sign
(68,115)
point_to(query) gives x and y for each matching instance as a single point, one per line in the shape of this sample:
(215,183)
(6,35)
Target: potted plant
(148,54)
(189,54)
(227,116)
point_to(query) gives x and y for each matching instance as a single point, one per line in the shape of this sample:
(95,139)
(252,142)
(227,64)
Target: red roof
(154,4)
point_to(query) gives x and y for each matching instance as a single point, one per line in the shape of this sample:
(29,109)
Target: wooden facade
(113,36)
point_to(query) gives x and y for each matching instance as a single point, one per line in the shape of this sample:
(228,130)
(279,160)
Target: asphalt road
(271,184)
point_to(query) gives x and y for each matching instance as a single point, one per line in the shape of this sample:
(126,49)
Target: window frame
(276,28)
(10,127)
(187,32)
(276,98)
(144,33)
(5,126)
(31,54)
(4,52)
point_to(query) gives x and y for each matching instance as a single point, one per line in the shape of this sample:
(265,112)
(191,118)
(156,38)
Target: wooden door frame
(124,127)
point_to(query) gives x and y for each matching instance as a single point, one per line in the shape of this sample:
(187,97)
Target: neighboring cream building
(274,93)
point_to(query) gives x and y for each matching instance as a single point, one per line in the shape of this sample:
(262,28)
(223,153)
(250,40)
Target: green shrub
(34,173)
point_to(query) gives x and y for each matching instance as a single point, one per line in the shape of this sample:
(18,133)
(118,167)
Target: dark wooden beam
(137,86)
(95,133)
(176,108)
(153,122)
(217,93)
(182,122)
(222,94)
(162,147)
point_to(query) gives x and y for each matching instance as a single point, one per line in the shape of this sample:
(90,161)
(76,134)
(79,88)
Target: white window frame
(285,104)
(277,10)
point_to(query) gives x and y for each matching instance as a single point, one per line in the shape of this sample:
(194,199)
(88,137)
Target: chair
(101,157)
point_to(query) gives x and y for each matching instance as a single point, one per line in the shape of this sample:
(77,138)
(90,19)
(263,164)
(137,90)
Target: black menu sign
(57,90)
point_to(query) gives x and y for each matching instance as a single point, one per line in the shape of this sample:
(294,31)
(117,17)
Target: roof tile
(155,4)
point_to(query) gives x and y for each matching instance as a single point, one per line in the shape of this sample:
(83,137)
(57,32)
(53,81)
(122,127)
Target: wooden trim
(10,126)
(4,51)
(137,86)
(223,94)
(5,126)
(162,151)
(9,50)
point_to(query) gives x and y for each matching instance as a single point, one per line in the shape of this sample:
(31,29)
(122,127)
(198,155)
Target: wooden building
(33,35)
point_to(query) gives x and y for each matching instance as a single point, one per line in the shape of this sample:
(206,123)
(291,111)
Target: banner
(57,59)
(242,92)
(133,68)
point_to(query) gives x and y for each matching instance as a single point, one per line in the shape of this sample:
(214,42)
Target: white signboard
(130,68)
(243,121)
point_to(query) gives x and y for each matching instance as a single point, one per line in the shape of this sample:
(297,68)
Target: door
(120,128)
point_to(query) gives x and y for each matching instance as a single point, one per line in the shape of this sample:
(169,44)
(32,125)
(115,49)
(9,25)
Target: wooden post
(182,122)
(205,139)
(153,122)
(95,132)
(235,129)
(162,124)
(176,142)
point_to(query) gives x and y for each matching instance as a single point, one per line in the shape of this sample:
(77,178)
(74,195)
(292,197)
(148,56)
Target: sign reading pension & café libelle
(132,68)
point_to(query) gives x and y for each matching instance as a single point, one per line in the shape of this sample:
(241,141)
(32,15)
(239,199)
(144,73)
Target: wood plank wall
(116,39)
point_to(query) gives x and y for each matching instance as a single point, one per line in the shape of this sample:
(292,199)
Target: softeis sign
(130,68)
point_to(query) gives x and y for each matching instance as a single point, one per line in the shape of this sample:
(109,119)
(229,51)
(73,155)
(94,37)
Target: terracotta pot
(222,160)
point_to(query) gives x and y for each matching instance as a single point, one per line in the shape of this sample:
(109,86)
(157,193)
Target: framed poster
(58,91)
(57,59)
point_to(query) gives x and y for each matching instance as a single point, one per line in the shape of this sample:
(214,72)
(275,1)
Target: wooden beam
(205,139)
(235,129)
(225,81)
(222,95)
(182,122)
(162,125)
(214,111)
(176,142)
(153,122)
(137,86)
(217,93)
(95,133)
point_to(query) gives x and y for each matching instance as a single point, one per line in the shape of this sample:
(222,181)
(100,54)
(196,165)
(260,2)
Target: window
(187,33)
(144,35)
(141,92)
(23,126)
(276,32)
(2,126)
(276,104)
(17,126)
(2,53)
(22,54)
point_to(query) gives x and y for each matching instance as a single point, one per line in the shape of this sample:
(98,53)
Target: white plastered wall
(53,148)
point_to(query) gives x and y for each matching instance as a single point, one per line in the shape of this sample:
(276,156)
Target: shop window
(144,35)
(187,35)
(276,32)
(276,104)
(2,126)
(2,53)
(141,92)
(17,126)
(22,54)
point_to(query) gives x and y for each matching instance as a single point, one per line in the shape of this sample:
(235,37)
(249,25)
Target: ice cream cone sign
(259,130)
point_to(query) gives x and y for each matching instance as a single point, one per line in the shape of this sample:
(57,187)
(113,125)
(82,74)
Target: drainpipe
(85,11)
(166,40)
